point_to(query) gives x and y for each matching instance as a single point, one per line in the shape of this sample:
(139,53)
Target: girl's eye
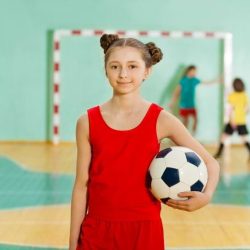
(132,66)
(114,67)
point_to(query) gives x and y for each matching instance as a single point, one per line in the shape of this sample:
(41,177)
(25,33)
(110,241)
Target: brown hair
(188,69)
(150,53)
(238,85)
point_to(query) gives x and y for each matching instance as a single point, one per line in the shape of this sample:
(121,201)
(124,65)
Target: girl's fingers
(186,194)
(176,203)
(177,206)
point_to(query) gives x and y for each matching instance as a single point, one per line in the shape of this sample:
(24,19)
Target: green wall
(25,61)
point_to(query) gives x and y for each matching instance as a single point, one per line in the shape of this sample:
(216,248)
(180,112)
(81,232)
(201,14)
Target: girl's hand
(221,78)
(195,201)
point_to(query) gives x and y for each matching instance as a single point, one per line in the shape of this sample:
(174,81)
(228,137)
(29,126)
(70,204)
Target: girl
(239,103)
(186,91)
(116,141)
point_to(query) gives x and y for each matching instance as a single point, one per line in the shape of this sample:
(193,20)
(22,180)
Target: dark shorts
(188,112)
(241,129)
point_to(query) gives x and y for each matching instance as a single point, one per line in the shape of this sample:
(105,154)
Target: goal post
(225,37)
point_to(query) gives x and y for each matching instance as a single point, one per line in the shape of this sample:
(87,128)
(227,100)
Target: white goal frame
(226,37)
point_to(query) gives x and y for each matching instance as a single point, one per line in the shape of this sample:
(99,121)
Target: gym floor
(36,180)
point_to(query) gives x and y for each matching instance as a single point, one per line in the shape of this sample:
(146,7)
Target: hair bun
(155,52)
(106,40)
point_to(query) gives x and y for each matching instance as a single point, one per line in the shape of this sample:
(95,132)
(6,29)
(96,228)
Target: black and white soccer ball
(174,170)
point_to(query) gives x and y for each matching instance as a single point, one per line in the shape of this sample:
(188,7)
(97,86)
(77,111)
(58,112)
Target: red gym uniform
(122,213)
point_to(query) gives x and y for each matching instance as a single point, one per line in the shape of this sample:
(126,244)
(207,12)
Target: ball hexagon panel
(171,176)
(157,167)
(176,189)
(175,159)
(182,149)
(203,173)
(159,189)
(189,174)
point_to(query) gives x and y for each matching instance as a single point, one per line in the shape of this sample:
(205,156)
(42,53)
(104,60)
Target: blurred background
(36,177)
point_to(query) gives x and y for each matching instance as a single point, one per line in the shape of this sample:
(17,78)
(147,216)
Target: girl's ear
(147,72)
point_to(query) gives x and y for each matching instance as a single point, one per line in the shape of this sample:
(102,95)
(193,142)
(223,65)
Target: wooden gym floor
(35,188)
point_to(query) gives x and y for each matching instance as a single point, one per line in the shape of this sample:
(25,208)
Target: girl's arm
(175,96)
(169,126)
(219,79)
(79,194)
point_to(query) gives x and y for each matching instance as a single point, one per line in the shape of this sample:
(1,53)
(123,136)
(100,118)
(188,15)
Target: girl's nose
(123,73)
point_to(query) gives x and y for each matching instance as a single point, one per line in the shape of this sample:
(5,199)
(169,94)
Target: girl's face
(125,70)
(191,73)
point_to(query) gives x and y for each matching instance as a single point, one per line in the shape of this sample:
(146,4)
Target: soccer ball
(174,170)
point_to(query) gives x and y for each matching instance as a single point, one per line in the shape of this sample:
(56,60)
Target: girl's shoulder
(83,118)
(88,116)
(166,123)
(82,124)
(165,117)
(237,94)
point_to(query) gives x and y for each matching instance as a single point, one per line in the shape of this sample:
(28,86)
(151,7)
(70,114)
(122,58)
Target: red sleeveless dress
(122,213)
